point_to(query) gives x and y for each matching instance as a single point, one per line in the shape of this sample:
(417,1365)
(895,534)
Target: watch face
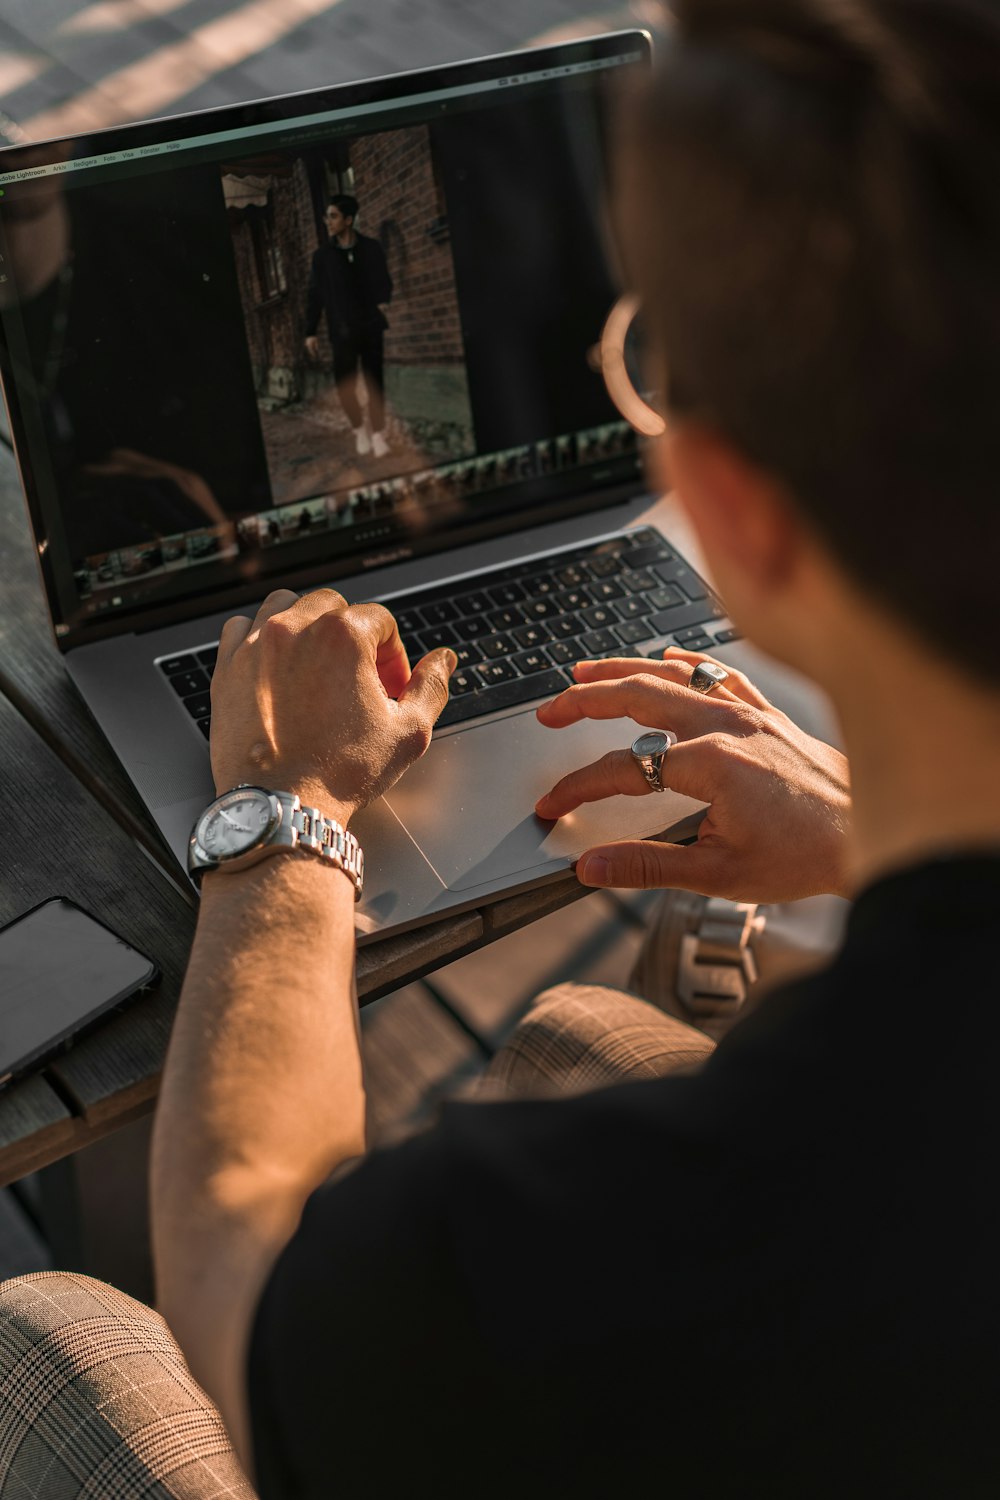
(235,823)
(654,743)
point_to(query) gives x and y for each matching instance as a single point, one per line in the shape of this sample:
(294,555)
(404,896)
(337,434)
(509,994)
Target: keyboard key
(565,626)
(641,557)
(542,584)
(186,683)
(530,635)
(540,609)
(468,655)
(604,589)
(605,564)
(492,672)
(531,661)
(599,616)
(630,632)
(633,606)
(199,706)
(205,725)
(462,681)
(175,664)
(596,642)
(506,593)
(688,638)
(665,597)
(493,646)
(573,599)
(208,657)
(505,695)
(439,614)
(725,636)
(474,604)
(692,585)
(470,627)
(434,636)
(573,576)
(506,619)
(637,583)
(408,621)
(682,617)
(679,573)
(563,653)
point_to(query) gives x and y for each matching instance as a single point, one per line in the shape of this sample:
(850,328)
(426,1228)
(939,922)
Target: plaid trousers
(96,1401)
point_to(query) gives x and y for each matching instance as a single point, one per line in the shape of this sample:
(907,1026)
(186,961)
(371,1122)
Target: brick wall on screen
(399,204)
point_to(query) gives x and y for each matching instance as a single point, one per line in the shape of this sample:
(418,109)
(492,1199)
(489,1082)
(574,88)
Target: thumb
(427,689)
(645,864)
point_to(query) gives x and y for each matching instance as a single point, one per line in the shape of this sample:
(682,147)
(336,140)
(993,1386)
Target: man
(776,1276)
(349,281)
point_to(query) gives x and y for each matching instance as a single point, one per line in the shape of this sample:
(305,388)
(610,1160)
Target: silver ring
(649,751)
(707,676)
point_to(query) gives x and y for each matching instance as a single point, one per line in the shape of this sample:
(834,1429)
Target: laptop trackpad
(468,803)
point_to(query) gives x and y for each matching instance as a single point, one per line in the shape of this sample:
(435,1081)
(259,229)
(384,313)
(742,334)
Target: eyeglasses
(617,357)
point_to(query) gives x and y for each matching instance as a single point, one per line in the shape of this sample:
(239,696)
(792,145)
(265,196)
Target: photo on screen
(351,314)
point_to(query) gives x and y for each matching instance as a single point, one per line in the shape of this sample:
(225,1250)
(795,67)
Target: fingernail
(595,870)
(451,658)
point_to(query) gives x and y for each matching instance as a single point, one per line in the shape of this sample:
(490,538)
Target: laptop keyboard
(517,631)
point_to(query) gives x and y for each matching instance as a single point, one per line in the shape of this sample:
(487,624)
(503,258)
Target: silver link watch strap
(716,965)
(322,836)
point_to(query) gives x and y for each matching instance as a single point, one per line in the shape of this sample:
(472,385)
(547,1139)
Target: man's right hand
(316,696)
(779,800)
(312,346)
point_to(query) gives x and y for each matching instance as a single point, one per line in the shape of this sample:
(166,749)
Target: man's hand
(317,697)
(312,346)
(779,800)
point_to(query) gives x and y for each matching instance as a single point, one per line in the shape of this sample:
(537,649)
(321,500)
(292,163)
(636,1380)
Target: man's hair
(821,184)
(348,206)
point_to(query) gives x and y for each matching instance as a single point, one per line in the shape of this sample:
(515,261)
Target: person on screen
(349,282)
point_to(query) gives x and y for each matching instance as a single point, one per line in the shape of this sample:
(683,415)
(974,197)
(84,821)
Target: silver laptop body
(182,456)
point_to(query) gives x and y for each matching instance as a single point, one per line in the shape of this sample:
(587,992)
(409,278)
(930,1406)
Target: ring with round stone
(707,676)
(650,751)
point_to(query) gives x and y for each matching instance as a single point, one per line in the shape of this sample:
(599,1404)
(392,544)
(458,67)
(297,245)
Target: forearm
(262,1093)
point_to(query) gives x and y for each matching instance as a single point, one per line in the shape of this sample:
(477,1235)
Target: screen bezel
(276,111)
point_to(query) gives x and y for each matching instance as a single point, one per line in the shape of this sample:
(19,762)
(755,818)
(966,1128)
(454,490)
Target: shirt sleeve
(363,1302)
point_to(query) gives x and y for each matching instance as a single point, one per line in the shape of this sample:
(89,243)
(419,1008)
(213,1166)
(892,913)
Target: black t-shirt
(776,1278)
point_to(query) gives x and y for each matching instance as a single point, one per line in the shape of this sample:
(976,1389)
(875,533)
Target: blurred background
(73,65)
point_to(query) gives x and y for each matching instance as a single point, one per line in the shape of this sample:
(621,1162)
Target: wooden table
(73,826)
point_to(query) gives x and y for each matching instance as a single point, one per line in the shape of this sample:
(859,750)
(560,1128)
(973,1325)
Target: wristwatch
(650,751)
(247,824)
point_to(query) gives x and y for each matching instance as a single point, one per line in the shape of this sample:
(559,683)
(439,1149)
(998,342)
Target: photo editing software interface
(328,339)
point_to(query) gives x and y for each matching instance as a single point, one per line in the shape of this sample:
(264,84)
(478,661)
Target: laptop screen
(313,333)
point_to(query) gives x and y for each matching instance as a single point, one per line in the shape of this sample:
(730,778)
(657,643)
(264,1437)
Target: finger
(644,864)
(615,774)
(427,690)
(687,768)
(644,698)
(391,660)
(613,669)
(274,604)
(234,633)
(736,683)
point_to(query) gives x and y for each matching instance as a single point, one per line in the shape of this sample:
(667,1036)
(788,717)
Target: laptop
(347,338)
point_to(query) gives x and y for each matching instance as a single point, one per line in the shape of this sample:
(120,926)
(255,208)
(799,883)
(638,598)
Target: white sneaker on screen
(362,442)
(380,446)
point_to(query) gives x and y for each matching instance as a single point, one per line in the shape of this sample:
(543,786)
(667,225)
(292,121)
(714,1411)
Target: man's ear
(750,533)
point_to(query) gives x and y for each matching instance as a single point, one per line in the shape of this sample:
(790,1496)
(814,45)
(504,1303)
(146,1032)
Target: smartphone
(60,970)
